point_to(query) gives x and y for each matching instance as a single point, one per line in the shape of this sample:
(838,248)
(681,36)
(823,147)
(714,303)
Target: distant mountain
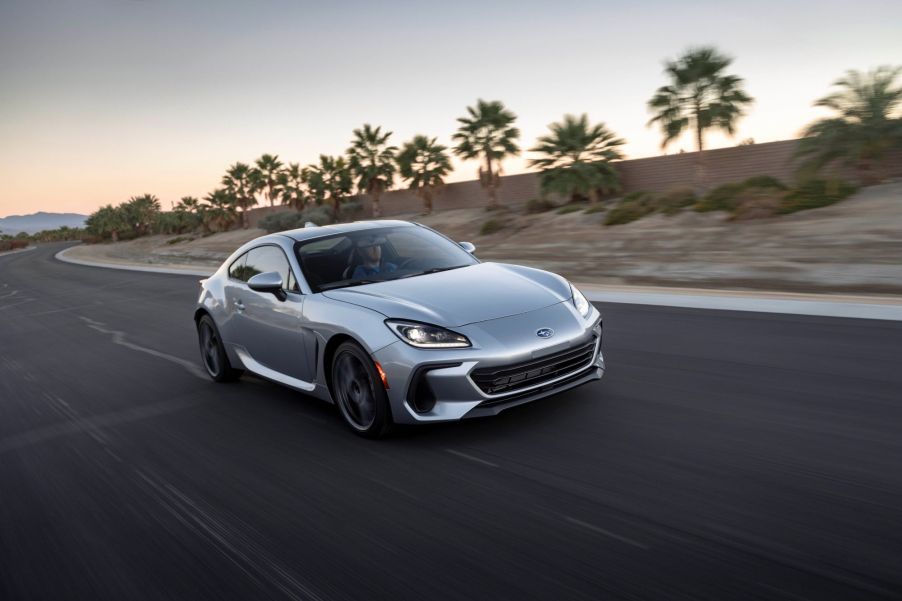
(39,221)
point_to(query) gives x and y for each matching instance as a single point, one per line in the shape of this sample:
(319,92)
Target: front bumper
(438,385)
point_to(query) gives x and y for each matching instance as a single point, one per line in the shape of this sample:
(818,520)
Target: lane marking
(607,533)
(471,458)
(119,338)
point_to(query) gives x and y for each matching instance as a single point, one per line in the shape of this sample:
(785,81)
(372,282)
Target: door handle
(239,305)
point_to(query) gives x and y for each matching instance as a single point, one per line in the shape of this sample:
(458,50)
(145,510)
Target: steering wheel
(406,263)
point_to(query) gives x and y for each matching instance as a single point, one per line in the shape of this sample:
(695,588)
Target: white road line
(471,458)
(608,533)
(119,338)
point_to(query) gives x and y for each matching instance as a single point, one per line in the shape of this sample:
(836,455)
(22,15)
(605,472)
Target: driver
(370,249)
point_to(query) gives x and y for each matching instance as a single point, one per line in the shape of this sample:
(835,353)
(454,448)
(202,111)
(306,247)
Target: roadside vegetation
(576,162)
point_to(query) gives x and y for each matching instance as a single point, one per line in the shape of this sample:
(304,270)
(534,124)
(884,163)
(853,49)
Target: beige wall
(655,174)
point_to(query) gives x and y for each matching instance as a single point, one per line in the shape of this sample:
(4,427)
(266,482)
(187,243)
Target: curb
(61,256)
(721,300)
(811,305)
(17,251)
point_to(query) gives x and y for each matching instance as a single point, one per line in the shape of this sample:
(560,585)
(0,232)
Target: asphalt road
(725,455)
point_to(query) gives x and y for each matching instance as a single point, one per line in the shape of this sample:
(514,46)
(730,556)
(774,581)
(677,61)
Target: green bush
(764,181)
(291,220)
(721,198)
(728,196)
(674,200)
(490,227)
(350,207)
(815,193)
(631,207)
(570,208)
(595,207)
(538,205)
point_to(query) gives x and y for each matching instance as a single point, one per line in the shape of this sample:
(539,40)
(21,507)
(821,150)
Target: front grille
(510,378)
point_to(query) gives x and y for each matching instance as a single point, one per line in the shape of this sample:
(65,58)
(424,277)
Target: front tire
(212,352)
(358,392)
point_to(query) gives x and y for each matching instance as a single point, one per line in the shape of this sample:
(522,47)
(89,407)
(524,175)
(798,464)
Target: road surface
(725,455)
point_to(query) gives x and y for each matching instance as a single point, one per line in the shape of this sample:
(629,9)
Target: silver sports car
(395,323)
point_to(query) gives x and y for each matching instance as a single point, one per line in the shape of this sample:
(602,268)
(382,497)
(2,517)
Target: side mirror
(269,281)
(468,246)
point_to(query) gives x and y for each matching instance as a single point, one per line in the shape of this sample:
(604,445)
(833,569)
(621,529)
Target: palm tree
(577,158)
(867,125)
(329,181)
(371,160)
(106,221)
(188,204)
(141,212)
(265,177)
(221,211)
(291,186)
(699,96)
(487,134)
(424,163)
(239,182)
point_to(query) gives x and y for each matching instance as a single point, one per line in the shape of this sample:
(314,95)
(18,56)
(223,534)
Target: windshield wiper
(433,270)
(341,284)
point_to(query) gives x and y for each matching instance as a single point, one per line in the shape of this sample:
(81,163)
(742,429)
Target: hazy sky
(104,99)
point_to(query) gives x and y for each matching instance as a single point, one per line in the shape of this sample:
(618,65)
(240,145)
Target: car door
(269,329)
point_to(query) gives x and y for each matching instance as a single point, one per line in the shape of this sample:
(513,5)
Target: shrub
(281,221)
(631,207)
(764,181)
(538,205)
(672,201)
(490,227)
(350,207)
(757,203)
(721,198)
(814,193)
(319,215)
(571,208)
(178,239)
(290,220)
(595,207)
(728,196)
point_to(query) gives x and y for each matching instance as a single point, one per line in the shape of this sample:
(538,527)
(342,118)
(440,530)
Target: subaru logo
(545,333)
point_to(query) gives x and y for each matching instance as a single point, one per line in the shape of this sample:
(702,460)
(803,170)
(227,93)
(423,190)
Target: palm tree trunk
(701,176)
(427,200)
(245,223)
(377,210)
(490,180)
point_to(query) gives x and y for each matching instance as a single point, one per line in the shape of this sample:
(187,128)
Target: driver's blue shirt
(364,271)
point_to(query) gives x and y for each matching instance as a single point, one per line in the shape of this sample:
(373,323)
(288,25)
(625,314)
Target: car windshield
(377,255)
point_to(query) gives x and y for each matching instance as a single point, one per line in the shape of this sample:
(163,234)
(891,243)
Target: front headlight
(580,302)
(423,335)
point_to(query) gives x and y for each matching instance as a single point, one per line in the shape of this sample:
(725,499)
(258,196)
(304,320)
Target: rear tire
(359,393)
(212,352)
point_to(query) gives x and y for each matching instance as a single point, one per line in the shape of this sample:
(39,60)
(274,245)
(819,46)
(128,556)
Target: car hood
(460,296)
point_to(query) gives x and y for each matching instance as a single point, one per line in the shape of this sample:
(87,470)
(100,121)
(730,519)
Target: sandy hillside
(853,246)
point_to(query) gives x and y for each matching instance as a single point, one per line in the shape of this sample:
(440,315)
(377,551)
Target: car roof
(308,233)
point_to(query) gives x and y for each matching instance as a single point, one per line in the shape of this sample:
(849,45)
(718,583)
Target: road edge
(61,256)
(886,309)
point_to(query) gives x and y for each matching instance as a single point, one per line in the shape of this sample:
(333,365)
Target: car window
(270,258)
(237,269)
(377,254)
